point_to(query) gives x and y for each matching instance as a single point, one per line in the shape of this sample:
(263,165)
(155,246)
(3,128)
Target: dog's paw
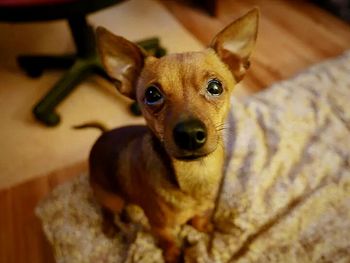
(202,224)
(172,254)
(109,229)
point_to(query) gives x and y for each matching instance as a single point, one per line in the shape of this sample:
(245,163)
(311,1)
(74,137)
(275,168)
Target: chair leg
(83,36)
(44,111)
(152,46)
(34,65)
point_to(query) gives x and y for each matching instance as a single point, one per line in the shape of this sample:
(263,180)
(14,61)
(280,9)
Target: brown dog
(173,166)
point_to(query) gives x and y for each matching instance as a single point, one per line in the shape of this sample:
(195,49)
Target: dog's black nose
(190,134)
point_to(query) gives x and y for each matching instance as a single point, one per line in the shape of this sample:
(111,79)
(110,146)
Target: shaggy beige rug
(285,194)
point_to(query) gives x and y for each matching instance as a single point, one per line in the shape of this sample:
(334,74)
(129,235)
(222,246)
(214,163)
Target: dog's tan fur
(144,165)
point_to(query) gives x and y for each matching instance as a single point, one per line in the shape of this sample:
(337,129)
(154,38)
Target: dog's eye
(153,96)
(215,87)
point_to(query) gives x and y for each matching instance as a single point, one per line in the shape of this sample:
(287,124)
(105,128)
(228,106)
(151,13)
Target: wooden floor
(292,36)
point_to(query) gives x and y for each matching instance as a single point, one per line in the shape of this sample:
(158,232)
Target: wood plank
(7,236)
(292,36)
(197,22)
(21,235)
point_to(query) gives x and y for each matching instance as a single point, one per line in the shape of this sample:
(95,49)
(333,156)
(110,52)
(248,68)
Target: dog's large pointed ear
(122,59)
(235,43)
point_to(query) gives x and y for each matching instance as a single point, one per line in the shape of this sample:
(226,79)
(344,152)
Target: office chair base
(81,65)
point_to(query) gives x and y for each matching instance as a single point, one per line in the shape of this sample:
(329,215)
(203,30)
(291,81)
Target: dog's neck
(199,178)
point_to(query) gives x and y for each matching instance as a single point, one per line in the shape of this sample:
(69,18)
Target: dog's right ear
(122,59)
(235,43)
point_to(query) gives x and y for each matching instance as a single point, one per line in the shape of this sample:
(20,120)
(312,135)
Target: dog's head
(183,97)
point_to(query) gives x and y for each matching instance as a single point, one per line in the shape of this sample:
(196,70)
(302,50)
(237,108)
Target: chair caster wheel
(34,72)
(30,66)
(135,109)
(50,119)
(160,52)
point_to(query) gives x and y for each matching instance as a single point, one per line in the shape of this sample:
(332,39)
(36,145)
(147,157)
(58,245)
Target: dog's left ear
(235,43)
(122,59)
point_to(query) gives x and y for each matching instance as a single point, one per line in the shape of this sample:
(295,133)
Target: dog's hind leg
(112,204)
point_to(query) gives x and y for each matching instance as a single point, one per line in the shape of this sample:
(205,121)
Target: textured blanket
(285,195)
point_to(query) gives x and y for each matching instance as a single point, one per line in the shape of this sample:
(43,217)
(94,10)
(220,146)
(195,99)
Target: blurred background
(51,80)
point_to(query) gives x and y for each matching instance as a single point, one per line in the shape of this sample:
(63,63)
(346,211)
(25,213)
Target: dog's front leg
(167,240)
(202,222)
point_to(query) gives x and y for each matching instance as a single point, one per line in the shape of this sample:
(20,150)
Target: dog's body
(172,168)
(139,171)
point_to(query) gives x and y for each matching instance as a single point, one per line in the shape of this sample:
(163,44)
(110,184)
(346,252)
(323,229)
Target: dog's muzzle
(190,135)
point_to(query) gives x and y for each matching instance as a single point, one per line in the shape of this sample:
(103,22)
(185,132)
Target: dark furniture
(340,8)
(81,64)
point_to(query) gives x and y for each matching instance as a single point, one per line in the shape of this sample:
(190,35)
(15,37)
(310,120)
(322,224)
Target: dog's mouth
(191,157)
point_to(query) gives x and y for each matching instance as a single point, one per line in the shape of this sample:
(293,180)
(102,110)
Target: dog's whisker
(222,123)
(223,129)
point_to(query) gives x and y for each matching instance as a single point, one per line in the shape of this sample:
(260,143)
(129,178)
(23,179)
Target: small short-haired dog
(172,167)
